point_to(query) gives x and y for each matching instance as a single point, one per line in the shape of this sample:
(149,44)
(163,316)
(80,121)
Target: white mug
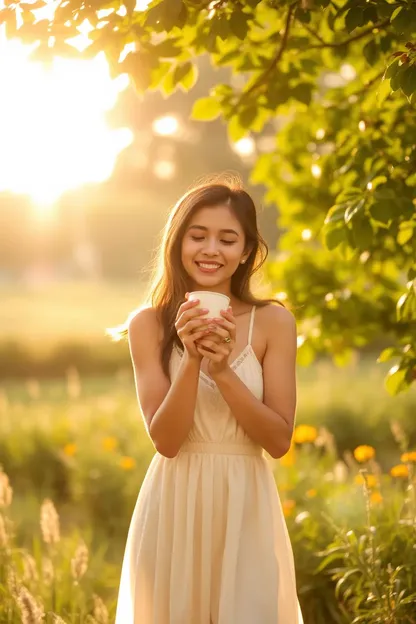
(213,301)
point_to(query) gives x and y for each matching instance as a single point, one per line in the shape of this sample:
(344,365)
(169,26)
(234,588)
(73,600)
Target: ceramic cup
(213,301)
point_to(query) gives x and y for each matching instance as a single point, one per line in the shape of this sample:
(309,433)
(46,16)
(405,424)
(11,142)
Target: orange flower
(311,493)
(408,457)
(288,507)
(70,449)
(305,433)
(127,463)
(376,498)
(370,479)
(110,443)
(401,470)
(363,453)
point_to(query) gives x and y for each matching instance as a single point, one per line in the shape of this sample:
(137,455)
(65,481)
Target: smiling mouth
(208,267)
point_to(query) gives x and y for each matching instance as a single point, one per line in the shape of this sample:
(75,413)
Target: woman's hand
(217,351)
(190,326)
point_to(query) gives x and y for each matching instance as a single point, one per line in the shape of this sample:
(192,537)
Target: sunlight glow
(316,171)
(165,126)
(54,134)
(245,146)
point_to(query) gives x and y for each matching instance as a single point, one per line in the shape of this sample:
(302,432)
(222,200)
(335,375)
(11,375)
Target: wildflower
(4,538)
(376,498)
(49,522)
(70,449)
(100,610)
(311,493)
(30,570)
(48,572)
(369,479)
(408,457)
(79,563)
(288,459)
(6,491)
(288,507)
(31,611)
(363,453)
(127,463)
(401,470)
(305,433)
(110,443)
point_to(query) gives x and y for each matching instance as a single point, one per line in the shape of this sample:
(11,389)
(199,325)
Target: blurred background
(88,172)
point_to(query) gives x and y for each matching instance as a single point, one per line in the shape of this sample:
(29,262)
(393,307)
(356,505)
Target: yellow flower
(364,453)
(110,443)
(127,463)
(370,479)
(408,457)
(288,507)
(401,470)
(305,433)
(376,498)
(70,449)
(311,493)
(288,459)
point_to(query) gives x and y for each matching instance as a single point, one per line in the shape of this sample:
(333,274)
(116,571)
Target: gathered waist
(222,448)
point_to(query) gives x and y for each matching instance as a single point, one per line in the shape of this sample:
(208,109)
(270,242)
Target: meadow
(74,452)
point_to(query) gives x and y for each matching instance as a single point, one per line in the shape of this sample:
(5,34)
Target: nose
(210,248)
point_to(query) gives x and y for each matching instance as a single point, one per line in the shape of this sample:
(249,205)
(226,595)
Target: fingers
(217,347)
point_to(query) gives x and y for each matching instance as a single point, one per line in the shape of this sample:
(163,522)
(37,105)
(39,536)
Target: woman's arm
(268,423)
(168,409)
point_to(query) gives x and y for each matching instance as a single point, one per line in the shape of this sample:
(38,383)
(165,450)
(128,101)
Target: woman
(208,543)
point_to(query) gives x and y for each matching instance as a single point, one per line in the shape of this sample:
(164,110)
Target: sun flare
(53,127)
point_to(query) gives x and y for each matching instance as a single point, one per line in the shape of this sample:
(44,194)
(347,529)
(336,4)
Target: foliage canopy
(332,84)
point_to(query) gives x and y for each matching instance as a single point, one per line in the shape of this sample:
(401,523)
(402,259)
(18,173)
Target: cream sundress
(208,542)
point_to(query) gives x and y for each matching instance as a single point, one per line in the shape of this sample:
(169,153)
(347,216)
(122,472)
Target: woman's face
(212,247)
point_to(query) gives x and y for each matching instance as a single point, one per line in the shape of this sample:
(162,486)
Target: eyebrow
(205,229)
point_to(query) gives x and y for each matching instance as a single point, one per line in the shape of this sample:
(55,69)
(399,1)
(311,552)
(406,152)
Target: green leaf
(395,381)
(248,116)
(396,80)
(238,24)
(383,210)
(408,80)
(402,20)
(334,236)
(406,232)
(206,109)
(362,233)
(354,18)
(392,69)
(387,354)
(353,209)
(371,52)
(185,75)
(167,48)
(235,130)
(303,92)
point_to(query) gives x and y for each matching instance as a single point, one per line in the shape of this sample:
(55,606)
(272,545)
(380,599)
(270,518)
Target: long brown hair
(170,282)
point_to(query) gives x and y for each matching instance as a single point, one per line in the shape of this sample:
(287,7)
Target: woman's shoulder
(274,316)
(144,321)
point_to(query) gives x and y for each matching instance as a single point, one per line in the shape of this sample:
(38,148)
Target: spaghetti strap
(250,331)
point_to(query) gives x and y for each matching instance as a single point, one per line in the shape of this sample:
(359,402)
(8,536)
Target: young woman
(208,543)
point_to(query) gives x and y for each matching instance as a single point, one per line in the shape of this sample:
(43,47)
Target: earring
(242,261)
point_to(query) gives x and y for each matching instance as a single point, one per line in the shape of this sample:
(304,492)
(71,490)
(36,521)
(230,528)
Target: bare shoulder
(144,325)
(274,317)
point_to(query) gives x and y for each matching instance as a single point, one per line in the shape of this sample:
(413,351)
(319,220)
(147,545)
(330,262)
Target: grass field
(78,446)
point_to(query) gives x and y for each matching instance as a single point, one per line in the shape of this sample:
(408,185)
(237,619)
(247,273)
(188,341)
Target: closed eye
(200,238)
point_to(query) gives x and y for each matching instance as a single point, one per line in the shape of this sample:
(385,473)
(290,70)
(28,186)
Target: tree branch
(275,61)
(336,44)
